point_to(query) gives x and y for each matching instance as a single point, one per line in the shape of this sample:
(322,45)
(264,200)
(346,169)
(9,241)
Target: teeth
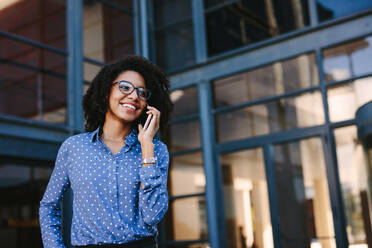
(129,106)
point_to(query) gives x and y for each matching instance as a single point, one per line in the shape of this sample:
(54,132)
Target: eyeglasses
(127,88)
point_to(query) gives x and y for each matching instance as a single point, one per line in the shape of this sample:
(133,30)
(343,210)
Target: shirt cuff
(149,171)
(149,174)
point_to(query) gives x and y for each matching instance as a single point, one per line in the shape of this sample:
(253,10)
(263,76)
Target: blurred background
(264,140)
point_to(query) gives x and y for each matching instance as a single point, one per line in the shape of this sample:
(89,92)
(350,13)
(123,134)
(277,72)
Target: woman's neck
(115,130)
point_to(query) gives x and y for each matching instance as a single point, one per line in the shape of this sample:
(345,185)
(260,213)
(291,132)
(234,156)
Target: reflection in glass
(187,220)
(185,101)
(344,100)
(173,33)
(185,135)
(275,79)
(246,203)
(187,174)
(90,71)
(31,56)
(170,11)
(302,188)
(107,32)
(175,46)
(334,9)
(348,60)
(353,172)
(36,20)
(32,95)
(248,21)
(21,189)
(280,115)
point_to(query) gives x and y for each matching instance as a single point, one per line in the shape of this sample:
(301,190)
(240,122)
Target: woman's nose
(134,94)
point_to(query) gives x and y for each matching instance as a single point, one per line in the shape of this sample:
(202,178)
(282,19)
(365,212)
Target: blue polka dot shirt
(109,203)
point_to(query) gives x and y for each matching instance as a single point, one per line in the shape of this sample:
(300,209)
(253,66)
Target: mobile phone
(147,123)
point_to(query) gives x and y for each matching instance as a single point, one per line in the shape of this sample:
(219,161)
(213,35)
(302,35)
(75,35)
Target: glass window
(275,79)
(173,33)
(355,184)
(246,200)
(331,9)
(274,116)
(21,189)
(187,220)
(303,197)
(175,46)
(185,135)
(185,101)
(348,60)
(15,52)
(170,11)
(240,23)
(28,93)
(90,71)
(187,174)
(344,100)
(36,20)
(107,31)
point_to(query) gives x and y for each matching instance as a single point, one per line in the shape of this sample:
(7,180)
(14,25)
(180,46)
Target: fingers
(154,112)
(140,127)
(154,123)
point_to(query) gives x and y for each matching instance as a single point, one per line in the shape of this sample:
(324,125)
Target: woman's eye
(125,87)
(143,93)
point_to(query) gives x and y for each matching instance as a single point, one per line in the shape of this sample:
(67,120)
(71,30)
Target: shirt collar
(130,140)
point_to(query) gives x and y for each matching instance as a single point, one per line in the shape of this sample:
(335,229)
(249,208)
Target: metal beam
(16,150)
(200,39)
(273,196)
(136,27)
(335,191)
(75,79)
(75,65)
(215,212)
(313,13)
(284,46)
(278,137)
(144,28)
(20,128)
(31,42)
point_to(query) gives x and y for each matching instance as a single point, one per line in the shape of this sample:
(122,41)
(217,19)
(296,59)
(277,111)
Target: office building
(264,138)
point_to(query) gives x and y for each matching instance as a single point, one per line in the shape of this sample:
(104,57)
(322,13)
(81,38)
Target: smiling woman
(125,102)
(117,170)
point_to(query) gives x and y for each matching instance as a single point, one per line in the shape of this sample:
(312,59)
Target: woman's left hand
(147,134)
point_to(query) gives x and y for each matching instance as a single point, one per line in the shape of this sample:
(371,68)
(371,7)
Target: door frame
(266,142)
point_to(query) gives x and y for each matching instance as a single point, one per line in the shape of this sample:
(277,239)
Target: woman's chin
(128,118)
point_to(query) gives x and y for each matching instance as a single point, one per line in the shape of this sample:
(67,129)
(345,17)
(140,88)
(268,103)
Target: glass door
(246,201)
(303,201)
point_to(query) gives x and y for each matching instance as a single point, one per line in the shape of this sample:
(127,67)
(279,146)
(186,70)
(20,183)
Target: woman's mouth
(129,106)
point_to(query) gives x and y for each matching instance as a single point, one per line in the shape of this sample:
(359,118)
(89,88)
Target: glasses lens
(125,87)
(143,93)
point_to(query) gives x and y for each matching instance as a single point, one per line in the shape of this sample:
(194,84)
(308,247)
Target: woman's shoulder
(77,139)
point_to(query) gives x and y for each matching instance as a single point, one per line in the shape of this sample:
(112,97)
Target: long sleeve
(50,211)
(153,197)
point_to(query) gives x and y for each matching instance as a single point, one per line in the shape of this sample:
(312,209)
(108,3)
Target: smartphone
(147,123)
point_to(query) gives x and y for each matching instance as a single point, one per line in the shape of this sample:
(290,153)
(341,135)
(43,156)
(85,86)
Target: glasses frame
(134,88)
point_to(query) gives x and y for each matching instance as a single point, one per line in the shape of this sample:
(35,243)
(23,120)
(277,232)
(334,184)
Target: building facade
(263,139)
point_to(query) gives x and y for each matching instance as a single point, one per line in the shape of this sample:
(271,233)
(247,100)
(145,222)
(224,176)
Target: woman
(117,170)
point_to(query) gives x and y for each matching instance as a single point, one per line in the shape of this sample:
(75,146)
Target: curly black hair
(96,99)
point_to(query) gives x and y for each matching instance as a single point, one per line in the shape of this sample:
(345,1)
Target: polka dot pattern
(109,204)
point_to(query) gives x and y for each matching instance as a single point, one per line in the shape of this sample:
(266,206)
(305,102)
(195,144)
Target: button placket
(116,185)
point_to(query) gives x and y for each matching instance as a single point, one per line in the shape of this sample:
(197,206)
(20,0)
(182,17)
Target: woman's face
(126,107)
